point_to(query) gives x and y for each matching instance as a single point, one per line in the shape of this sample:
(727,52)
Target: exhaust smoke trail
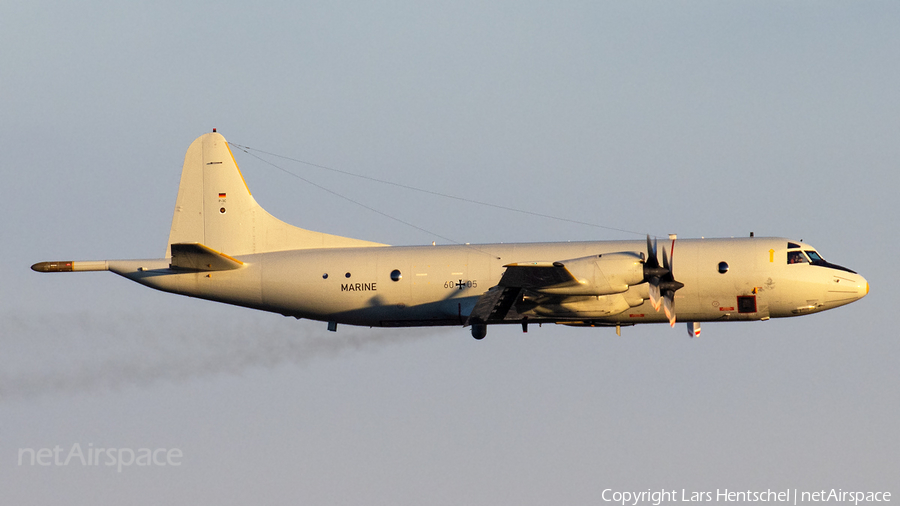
(80,353)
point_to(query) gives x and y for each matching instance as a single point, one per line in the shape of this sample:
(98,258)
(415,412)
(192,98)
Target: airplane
(224,247)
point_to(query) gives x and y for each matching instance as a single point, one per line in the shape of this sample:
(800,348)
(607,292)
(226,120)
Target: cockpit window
(796,257)
(792,245)
(813,256)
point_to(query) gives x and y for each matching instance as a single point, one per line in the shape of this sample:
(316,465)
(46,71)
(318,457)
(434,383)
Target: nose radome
(846,288)
(861,285)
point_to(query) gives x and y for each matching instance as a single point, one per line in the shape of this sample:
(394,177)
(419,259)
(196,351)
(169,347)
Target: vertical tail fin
(215,208)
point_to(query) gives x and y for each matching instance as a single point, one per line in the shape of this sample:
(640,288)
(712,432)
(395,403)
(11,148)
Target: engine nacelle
(604,274)
(594,306)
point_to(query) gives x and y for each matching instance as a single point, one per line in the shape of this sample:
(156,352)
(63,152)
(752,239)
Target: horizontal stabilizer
(197,257)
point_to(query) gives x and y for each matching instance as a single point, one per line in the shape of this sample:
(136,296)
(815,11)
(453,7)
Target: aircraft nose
(846,288)
(862,287)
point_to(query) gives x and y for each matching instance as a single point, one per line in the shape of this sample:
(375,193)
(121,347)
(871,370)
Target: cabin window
(723,267)
(396,275)
(746,304)
(796,257)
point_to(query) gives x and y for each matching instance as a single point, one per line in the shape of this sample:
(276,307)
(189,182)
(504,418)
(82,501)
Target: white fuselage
(439,285)
(224,246)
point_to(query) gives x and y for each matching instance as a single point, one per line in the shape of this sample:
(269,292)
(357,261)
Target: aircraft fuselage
(224,246)
(439,285)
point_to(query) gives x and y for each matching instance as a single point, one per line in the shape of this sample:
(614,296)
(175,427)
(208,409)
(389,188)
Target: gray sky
(699,118)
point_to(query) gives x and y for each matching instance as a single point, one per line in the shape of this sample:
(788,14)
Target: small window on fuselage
(792,245)
(796,257)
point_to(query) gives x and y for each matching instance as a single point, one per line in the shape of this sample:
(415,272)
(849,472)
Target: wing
(495,304)
(538,275)
(565,289)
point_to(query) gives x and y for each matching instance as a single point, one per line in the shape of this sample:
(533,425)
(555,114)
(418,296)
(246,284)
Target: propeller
(653,273)
(661,281)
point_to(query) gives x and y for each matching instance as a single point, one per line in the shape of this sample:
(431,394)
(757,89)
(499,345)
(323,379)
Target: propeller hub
(651,271)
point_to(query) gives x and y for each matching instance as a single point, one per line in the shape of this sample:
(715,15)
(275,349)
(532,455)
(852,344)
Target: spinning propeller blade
(654,293)
(661,281)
